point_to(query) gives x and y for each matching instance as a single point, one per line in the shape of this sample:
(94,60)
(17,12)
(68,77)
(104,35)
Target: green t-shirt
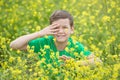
(45,46)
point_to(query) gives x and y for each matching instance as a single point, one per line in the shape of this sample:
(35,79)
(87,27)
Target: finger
(54,30)
(66,57)
(55,26)
(53,33)
(62,58)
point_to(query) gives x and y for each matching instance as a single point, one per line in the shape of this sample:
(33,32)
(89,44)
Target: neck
(60,46)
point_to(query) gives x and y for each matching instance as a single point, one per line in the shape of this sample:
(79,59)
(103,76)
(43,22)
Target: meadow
(97,27)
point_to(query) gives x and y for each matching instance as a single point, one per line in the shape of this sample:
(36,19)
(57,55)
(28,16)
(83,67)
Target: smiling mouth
(60,36)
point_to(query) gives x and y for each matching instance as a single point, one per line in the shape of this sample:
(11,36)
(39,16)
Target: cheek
(66,30)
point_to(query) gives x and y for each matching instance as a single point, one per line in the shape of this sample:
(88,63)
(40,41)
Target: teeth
(60,35)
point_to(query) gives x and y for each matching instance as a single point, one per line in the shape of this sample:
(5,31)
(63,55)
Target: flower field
(97,27)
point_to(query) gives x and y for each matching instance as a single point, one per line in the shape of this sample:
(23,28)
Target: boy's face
(64,30)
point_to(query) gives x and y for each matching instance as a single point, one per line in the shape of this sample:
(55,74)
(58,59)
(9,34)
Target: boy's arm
(22,42)
(91,60)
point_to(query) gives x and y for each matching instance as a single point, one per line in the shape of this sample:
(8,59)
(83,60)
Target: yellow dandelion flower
(55,70)
(43,60)
(10,49)
(3,46)
(84,13)
(38,63)
(93,46)
(47,47)
(76,54)
(30,70)
(35,74)
(33,29)
(19,59)
(57,54)
(105,18)
(11,59)
(18,51)
(38,28)
(67,49)
(72,49)
(113,38)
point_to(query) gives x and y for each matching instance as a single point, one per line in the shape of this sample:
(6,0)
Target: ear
(72,29)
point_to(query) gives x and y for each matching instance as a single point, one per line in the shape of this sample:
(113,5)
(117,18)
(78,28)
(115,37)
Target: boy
(60,28)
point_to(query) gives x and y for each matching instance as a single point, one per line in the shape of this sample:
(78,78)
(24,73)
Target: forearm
(23,40)
(91,61)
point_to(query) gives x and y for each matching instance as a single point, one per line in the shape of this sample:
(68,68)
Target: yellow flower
(38,63)
(43,60)
(81,38)
(47,47)
(30,70)
(16,71)
(113,38)
(37,28)
(55,70)
(3,46)
(57,55)
(35,74)
(19,59)
(11,59)
(93,46)
(84,13)
(76,54)
(67,49)
(33,29)
(10,49)
(18,51)
(49,65)
(30,55)
(72,49)
(105,18)
(113,4)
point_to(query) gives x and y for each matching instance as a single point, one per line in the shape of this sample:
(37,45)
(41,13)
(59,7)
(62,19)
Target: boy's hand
(64,57)
(50,30)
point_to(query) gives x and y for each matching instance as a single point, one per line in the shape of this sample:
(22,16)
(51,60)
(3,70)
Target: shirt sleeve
(37,44)
(81,49)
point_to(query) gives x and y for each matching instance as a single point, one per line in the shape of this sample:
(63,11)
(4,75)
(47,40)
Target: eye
(65,27)
(57,27)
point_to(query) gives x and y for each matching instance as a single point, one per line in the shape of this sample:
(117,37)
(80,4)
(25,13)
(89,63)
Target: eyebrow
(64,25)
